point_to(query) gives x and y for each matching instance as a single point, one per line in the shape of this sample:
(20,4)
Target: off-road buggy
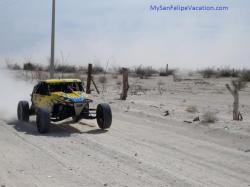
(58,99)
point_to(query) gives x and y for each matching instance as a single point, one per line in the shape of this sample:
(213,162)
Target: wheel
(43,120)
(23,111)
(103,116)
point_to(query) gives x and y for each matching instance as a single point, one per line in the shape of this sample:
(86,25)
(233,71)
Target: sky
(127,33)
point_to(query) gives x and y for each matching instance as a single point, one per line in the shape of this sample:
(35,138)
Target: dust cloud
(12,90)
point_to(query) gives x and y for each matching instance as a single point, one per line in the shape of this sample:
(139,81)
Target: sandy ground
(143,148)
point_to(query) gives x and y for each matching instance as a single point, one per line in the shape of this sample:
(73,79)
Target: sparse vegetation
(245,75)
(208,72)
(14,66)
(167,72)
(82,69)
(65,68)
(29,66)
(97,69)
(227,72)
(137,90)
(144,72)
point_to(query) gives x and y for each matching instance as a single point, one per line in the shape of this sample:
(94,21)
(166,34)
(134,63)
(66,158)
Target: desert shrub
(29,66)
(208,72)
(97,69)
(227,72)
(102,79)
(14,66)
(144,72)
(245,75)
(166,73)
(83,69)
(65,68)
(220,72)
(137,90)
(191,109)
(209,117)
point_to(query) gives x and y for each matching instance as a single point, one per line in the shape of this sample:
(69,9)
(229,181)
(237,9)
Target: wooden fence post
(237,85)
(89,78)
(125,87)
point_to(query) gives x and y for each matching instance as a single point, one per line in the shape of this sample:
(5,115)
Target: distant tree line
(140,71)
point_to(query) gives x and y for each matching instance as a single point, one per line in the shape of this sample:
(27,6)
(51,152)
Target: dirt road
(138,150)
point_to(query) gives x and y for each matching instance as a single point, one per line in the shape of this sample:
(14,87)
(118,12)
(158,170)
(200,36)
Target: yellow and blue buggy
(58,99)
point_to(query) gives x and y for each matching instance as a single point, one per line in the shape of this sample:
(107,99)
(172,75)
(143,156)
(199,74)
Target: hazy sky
(127,33)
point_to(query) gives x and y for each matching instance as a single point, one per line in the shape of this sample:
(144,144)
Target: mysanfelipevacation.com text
(181,8)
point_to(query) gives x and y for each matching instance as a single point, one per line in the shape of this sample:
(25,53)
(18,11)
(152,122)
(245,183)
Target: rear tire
(23,111)
(103,116)
(43,120)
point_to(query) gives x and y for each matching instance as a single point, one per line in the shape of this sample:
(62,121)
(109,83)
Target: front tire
(23,111)
(103,116)
(43,120)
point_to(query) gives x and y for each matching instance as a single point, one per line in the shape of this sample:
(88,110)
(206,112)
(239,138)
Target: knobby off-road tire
(43,120)
(103,116)
(23,111)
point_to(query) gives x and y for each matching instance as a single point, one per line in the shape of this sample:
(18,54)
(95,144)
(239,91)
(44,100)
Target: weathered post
(125,87)
(89,78)
(237,86)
